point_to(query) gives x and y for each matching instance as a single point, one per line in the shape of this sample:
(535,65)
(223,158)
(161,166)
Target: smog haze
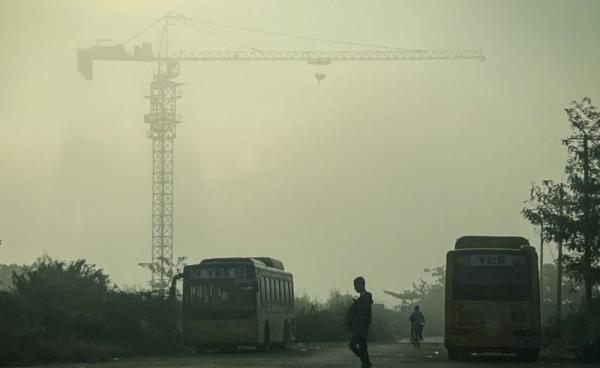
(374,170)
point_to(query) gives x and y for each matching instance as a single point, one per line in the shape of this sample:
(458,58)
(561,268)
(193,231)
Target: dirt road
(325,355)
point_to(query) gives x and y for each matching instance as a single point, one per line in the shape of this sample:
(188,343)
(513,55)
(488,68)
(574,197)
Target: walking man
(359,320)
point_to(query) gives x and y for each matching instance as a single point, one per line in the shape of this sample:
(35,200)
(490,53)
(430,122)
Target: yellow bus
(232,302)
(492,298)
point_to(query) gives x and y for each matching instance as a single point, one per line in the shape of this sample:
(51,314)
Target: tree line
(568,215)
(59,311)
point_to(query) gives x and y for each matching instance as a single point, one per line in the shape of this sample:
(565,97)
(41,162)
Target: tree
(548,207)
(429,296)
(583,171)
(570,213)
(6,274)
(63,298)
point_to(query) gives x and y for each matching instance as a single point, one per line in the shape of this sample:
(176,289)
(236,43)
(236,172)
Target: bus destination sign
(491,260)
(223,273)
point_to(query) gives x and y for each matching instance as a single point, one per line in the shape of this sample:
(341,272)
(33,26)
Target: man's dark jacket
(359,314)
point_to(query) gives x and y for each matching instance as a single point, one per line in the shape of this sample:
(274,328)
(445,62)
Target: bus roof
(262,261)
(502,242)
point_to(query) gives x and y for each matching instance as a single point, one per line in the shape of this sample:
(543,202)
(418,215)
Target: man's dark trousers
(358,345)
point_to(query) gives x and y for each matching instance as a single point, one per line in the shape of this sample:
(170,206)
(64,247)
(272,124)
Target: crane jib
(144,53)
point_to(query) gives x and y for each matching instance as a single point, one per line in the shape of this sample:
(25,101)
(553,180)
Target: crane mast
(162,128)
(163,119)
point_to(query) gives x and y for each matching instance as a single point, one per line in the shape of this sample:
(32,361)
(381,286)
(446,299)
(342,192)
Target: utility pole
(542,260)
(587,236)
(559,260)
(587,275)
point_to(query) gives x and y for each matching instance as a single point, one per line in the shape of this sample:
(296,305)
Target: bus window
(273,291)
(281,291)
(287,292)
(491,283)
(261,291)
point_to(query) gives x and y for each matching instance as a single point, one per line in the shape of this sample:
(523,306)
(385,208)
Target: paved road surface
(327,355)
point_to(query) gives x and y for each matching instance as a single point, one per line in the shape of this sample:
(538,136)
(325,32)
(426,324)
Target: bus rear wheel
(458,354)
(287,336)
(529,355)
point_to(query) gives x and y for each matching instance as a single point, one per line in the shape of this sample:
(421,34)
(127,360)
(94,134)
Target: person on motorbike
(417,321)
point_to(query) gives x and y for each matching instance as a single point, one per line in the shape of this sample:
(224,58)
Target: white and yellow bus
(492,297)
(230,302)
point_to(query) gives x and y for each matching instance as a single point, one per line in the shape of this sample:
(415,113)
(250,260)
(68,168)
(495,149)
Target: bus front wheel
(453,354)
(528,355)
(266,345)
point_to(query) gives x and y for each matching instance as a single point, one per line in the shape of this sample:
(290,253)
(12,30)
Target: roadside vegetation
(568,216)
(68,311)
(58,311)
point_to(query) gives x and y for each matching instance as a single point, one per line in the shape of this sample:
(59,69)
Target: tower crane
(162,119)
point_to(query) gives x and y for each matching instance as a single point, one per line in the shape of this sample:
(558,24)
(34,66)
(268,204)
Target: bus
(492,298)
(232,302)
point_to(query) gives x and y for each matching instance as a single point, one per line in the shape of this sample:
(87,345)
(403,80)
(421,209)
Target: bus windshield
(221,287)
(491,276)
(222,295)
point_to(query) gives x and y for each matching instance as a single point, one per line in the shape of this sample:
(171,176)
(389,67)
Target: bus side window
(274,290)
(282,291)
(279,284)
(286,293)
(270,293)
(280,299)
(292,293)
(266,287)
(276,299)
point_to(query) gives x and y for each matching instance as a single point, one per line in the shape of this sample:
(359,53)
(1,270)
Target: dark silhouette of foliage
(326,321)
(6,274)
(561,208)
(585,121)
(69,311)
(429,295)
(570,214)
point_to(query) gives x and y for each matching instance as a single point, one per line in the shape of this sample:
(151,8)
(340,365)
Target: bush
(326,322)
(58,311)
(582,333)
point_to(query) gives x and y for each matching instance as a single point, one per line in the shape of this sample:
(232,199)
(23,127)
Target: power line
(240,43)
(143,30)
(285,34)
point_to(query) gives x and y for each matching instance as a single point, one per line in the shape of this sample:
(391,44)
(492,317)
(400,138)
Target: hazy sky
(375,172)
